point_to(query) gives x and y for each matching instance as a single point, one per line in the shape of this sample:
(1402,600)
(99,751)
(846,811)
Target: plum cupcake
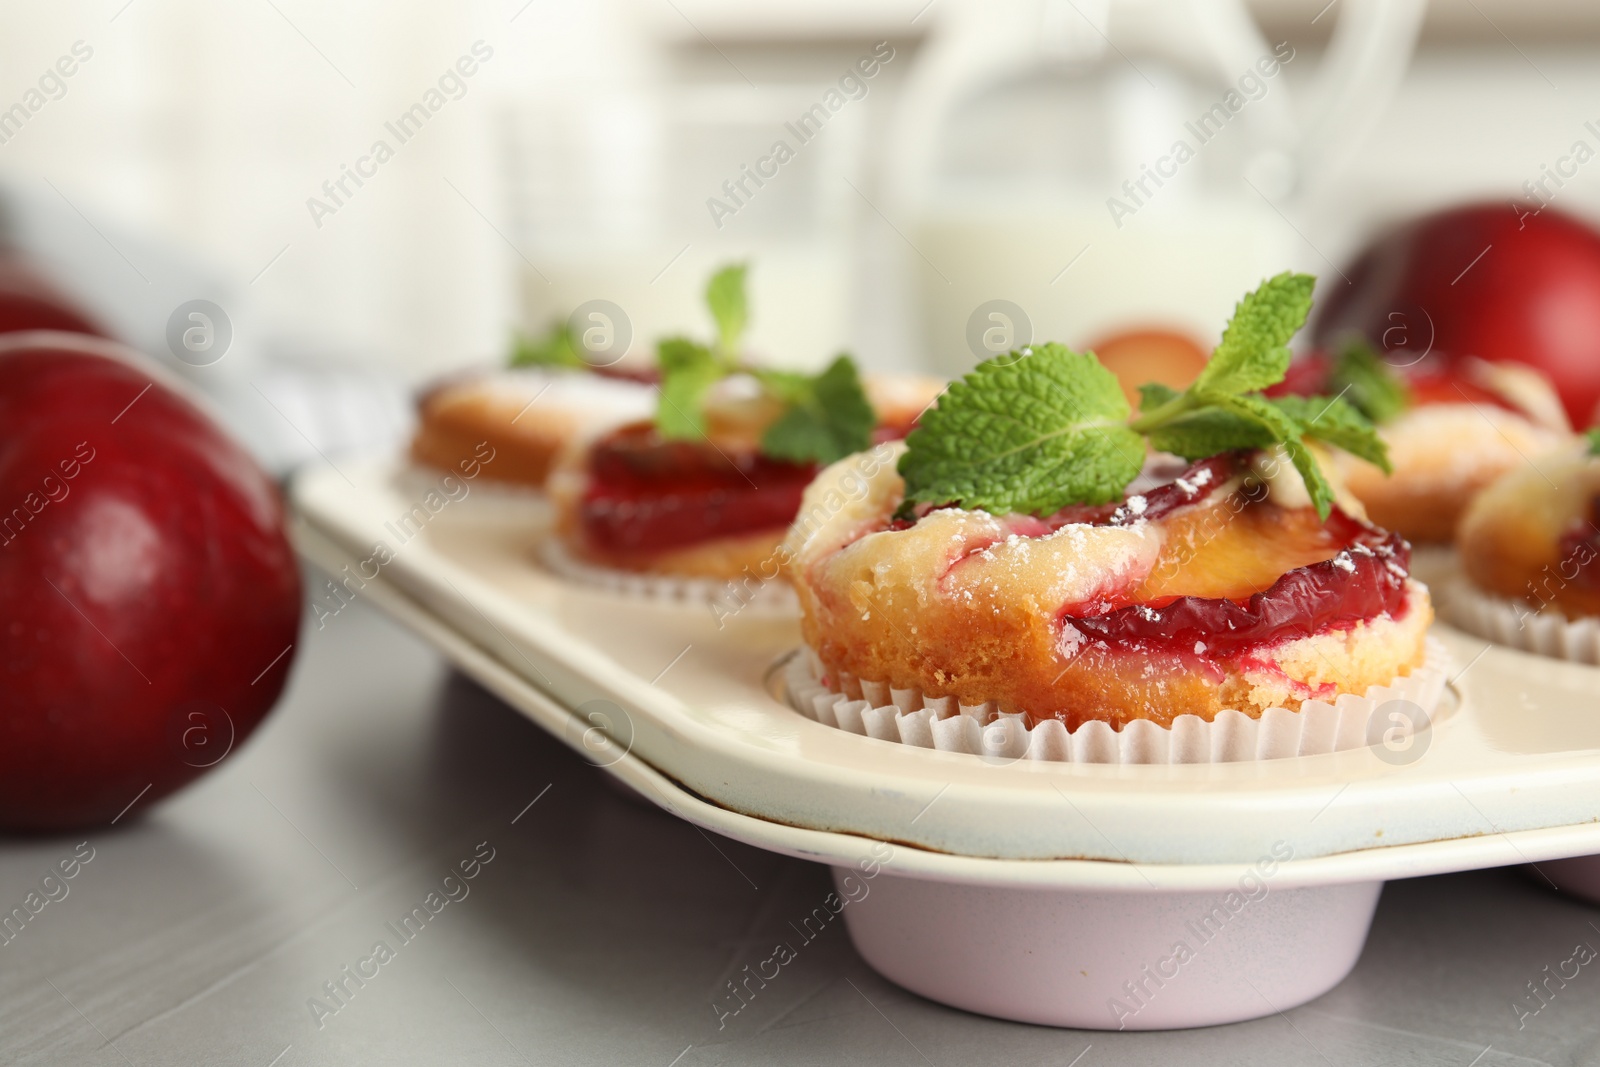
(1451,426)
(1002,575)
(557,390)
(527,415)
(1530,557)
(699,496)
(714,506)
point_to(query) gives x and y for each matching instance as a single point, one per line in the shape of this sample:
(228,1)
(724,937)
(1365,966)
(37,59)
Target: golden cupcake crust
(1443,456)
(528,416)
(963,604)
(1514,538)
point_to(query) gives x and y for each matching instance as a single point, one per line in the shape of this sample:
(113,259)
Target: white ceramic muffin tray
(1091,895)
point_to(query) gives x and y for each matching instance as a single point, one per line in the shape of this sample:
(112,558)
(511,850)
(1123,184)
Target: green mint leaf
(554,349)
(1333,420)
(1207,432)
(1198,432)
(1153,394)
(1285,429)
(828,416)
(1254,353)
(1257,409)
(688,371)
(1594,440)
(789,386)
(1367,382)
(1027,432)
(725,296)
(1311,473)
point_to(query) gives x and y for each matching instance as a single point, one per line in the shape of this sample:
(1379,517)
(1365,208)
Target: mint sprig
(1334,421)
(828,415)
(1254,355)
(1593,435)
(1029,434)
(729,309)
(1362,378)
(1036,431)
(825,416)
(688,371)
(1208,431)
(1254,352)
(554,349)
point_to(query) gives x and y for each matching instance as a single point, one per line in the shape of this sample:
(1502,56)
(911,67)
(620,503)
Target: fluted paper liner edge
(1520,625)
(906,716)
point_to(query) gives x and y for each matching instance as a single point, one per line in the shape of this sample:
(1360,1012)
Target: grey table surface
(600,930)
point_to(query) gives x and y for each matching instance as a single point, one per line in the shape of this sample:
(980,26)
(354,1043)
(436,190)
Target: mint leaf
(1029,432)
(1205,431)
(1209,431)
(788,386)
(1311,473)
(1594,440)
(1367,382)
(688,371)
(725,296)
(1258,409)
(1254,353)
(1332,420)
(828,417)
(1153,395)
(1287,430)
(554,349)
(1200,432)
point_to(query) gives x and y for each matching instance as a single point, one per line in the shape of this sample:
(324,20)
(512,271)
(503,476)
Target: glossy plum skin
(29,302)
(1533,297)
(151,598)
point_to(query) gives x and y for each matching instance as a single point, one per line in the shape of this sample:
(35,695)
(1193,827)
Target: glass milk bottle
(1073,168)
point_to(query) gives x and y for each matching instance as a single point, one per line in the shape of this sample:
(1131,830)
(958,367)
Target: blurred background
(378,194)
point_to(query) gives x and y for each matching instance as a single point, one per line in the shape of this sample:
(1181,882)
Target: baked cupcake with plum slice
(692,503)
(1451,426)
(557,390)
(1000,590)
(1530,557)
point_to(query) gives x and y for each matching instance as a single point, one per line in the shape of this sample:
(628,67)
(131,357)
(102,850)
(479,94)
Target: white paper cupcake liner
(723,598)
(873,709)
(1519,624)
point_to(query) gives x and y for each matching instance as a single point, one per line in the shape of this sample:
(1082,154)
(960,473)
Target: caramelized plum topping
(649,494)
(1363,579)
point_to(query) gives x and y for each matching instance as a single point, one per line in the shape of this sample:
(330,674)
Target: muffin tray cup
(1087,895)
